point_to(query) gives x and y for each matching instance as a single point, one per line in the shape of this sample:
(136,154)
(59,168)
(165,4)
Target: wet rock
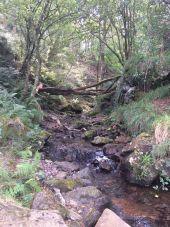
(110,150)
(64,185)
(67,150)
(99,140)
(106,165)
(89,202)
(110,219)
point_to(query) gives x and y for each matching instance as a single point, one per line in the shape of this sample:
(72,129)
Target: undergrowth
(20,137)
(21,184)
(140,116)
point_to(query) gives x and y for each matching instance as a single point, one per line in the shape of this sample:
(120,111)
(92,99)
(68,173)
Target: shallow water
(140,207)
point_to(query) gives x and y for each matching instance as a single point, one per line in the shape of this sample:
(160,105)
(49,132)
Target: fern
(25,170)
(24,154)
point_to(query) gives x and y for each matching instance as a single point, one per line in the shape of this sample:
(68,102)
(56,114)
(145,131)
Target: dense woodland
(96,71)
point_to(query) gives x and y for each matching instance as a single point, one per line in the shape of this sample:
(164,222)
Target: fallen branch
(78,91)
(97,84)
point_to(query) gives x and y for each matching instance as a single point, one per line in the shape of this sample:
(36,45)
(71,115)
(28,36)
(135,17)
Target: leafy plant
(142,168)
(22,184)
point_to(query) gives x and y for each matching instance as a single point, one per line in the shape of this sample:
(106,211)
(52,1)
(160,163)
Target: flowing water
(140,207)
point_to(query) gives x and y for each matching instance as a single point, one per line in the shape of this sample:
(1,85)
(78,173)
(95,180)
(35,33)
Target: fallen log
(78,91)
(66,92)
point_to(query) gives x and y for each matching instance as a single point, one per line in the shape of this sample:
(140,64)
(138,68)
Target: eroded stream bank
(75,165)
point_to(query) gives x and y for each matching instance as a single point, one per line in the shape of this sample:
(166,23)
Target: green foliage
(161,150)
(19,122)
(164,180)
(22,184)
(140,116)
(143,165)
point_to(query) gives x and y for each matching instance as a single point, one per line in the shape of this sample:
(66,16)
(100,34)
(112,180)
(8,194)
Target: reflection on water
(140,207)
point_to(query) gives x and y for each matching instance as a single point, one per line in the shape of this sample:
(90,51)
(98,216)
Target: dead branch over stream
(82,90)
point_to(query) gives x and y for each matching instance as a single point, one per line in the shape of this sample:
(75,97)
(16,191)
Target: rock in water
(107,165)
(110,219)
(89,201)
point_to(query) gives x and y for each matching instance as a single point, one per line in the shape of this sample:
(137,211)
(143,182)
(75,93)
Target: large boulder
(88,201)
(139,167)
(14,215)
(110,219)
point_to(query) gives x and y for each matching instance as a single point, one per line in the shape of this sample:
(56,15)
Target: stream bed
(140,207)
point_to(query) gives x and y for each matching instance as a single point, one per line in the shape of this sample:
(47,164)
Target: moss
(88,135)
(64,185)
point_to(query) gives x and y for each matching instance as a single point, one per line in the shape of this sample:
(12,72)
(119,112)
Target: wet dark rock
(107,165)
(89,202)
(68,149)
(110,150)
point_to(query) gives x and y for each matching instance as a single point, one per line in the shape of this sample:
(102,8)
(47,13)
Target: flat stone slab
(110,219)
(13,215)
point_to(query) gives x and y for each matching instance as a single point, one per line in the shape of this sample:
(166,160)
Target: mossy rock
(88,135)
(76,107)
(73,107)
(64,185)
(81,124)
(59,100)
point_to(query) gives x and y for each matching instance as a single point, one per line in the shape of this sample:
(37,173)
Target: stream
(139,207)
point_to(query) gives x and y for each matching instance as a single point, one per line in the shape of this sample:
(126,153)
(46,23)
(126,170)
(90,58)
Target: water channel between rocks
(140,207)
